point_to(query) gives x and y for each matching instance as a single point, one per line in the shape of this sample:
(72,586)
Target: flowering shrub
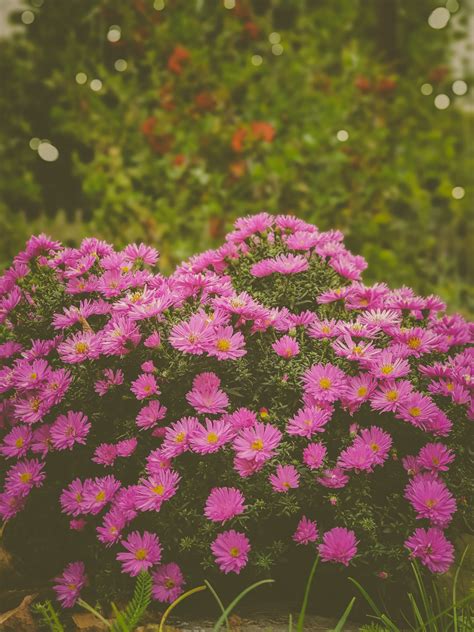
(260,396)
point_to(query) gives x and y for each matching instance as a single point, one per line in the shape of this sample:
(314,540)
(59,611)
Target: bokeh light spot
(256,60)
(458,193)
(114,34)
(120,65)
(96,85)
(426,89)
(439,18)
(48,152)
(459,87)
(27,17)
(442,101)
(81,78)
(342,135)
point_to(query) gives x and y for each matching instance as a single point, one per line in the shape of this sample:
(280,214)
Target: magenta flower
(119,336)
(105,454)
(79,347)
(98,492)
(142,552)
(231,550)
(17,442)
(431,499)
(286,347)
(435,457)
(28,375)
(69,585)
(140,253)
(241,418)
(257,443)
(358,457)
(152,492)
(226,344)
(306,531)
(211,437)
(192,336)
(286,477)
(69,429)
(314,455)
(23,476)
(168,582)
(309,420)
(206,396)
(178,435)
(111,378)
(150,415)
(224,503)
(389,394)
(126,447)
(387,366)
(110,531)
(377,440)
(325,382)
(10,505)
(72,498)
(334,478)
(144,386)
(338,545)
(432,548)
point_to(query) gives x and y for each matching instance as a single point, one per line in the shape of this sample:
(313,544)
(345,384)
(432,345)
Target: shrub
(260,395)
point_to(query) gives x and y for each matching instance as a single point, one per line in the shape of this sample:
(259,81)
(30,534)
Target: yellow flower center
(19,442)
(431,502)
(392,396)
(140,554)
(450,386)
(286,485)
(415,411)
(72,586)
(357,350)
(169,583)
(234,551)
(33,376)
(362,391)
(78,497)
(136,296)
(159,489)
(326,329)
(180,437)
(223,344)
(100,496)
(364,301)
(325,383)
(435,460)
(35,404)
(25,477)
(414,342)
(192,338)
(387,369)
(212,437)
(257,444)
(374,447)
(81,347)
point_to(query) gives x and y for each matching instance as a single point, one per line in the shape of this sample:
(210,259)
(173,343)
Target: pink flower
(257,443)
(23,476)
(69,429)
(79,347)
(389,394)
(177,437)
(211,437)
(140,253)
(150,414)
(105,454)
(287,347)
(206,397)
(431,499)
(325,382)
(192,336)
(247,467)
(143,552)
(387,366)
(10,505)
(69,585)
(226,344)
(240,418)
(28,376)
(358,457)
(153,491)
(283,264)
(231,550)
(377,440)
(112,378)
(110,531)
(17,442)
(96,493)
(77,524)
(224,503)
(432,548)
(119,336)
(168,582)
(435,457)
(286,477)
(334,478)
(126,447)
(144,386)
(309,420)
(72,498)
(338,545)
(314,455)
(153,341)
(306,531)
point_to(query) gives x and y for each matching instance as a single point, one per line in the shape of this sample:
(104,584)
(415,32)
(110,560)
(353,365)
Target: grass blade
(417,612)
(290,623)
(462,602)
(304,605)
(342,621)
(367,597)
(455,584)
(93,611)
(176,602)
(232,605)
(219,601)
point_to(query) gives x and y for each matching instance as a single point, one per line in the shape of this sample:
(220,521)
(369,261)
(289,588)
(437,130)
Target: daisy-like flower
(111,378)
(432,548)
(286,347)
(211,437)
(72,498)
(28,375)
(193,336)
(16,443)
(224,503)
(10,505)
(321,329)
(334,478)
(23,476)
(417,409)
(231,550)
(144,386)
(98,492)
(178,435)
(80,347)
(247,467)
(286,477)
(346,347)
(289,264)
(431,499)
(226,344)
(110,531)
(152,492)
(309,420)
(69,585)
(338,545)
(105,454)
(377,440)
(417,340)
(258,442)
(306,531)
(156,462)
(240,418)
(358,457)
(387,366)
(69,429)
(150,415)
(140,253)
(435,457)
(325,382)
(314,455)
(206,396)
(389,394)
(168,582)
(142,552)
(126,447)
(120,336)
(358,390)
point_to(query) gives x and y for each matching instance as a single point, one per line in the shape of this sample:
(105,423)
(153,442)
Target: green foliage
(175,147)
(128,619)
(49,616)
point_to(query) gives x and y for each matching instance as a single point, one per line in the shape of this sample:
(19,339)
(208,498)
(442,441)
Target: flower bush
(261,397)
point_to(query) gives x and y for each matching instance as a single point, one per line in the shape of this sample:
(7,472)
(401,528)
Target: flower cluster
(262,381)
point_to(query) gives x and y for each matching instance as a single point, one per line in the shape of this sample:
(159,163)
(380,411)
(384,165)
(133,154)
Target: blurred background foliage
(163,120)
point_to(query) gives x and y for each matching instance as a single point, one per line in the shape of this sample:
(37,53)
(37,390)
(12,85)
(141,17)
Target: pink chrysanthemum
(387,366)
(98,492)
(334,478)
(431,499)
(286,347)
(435,457)
(224,503)
(226,344)
(377,440)
(178,435)
(231,550)
(143,552)
(168,582)
(192,336)
(144,386)
(309,420)
(206,396)
(314,455)
(389,394)
(153,491)
(240,418)
(79,347)
(358,457)
(258,442)
(432,548)
(286,477)
(72,498)
(69,585)
(69,429)
(150,414)
(289,264)
(306,531)
(105,454)
(17,442)
(338,545)
(325,382)
(110,531)
(211,437)
(23,476)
